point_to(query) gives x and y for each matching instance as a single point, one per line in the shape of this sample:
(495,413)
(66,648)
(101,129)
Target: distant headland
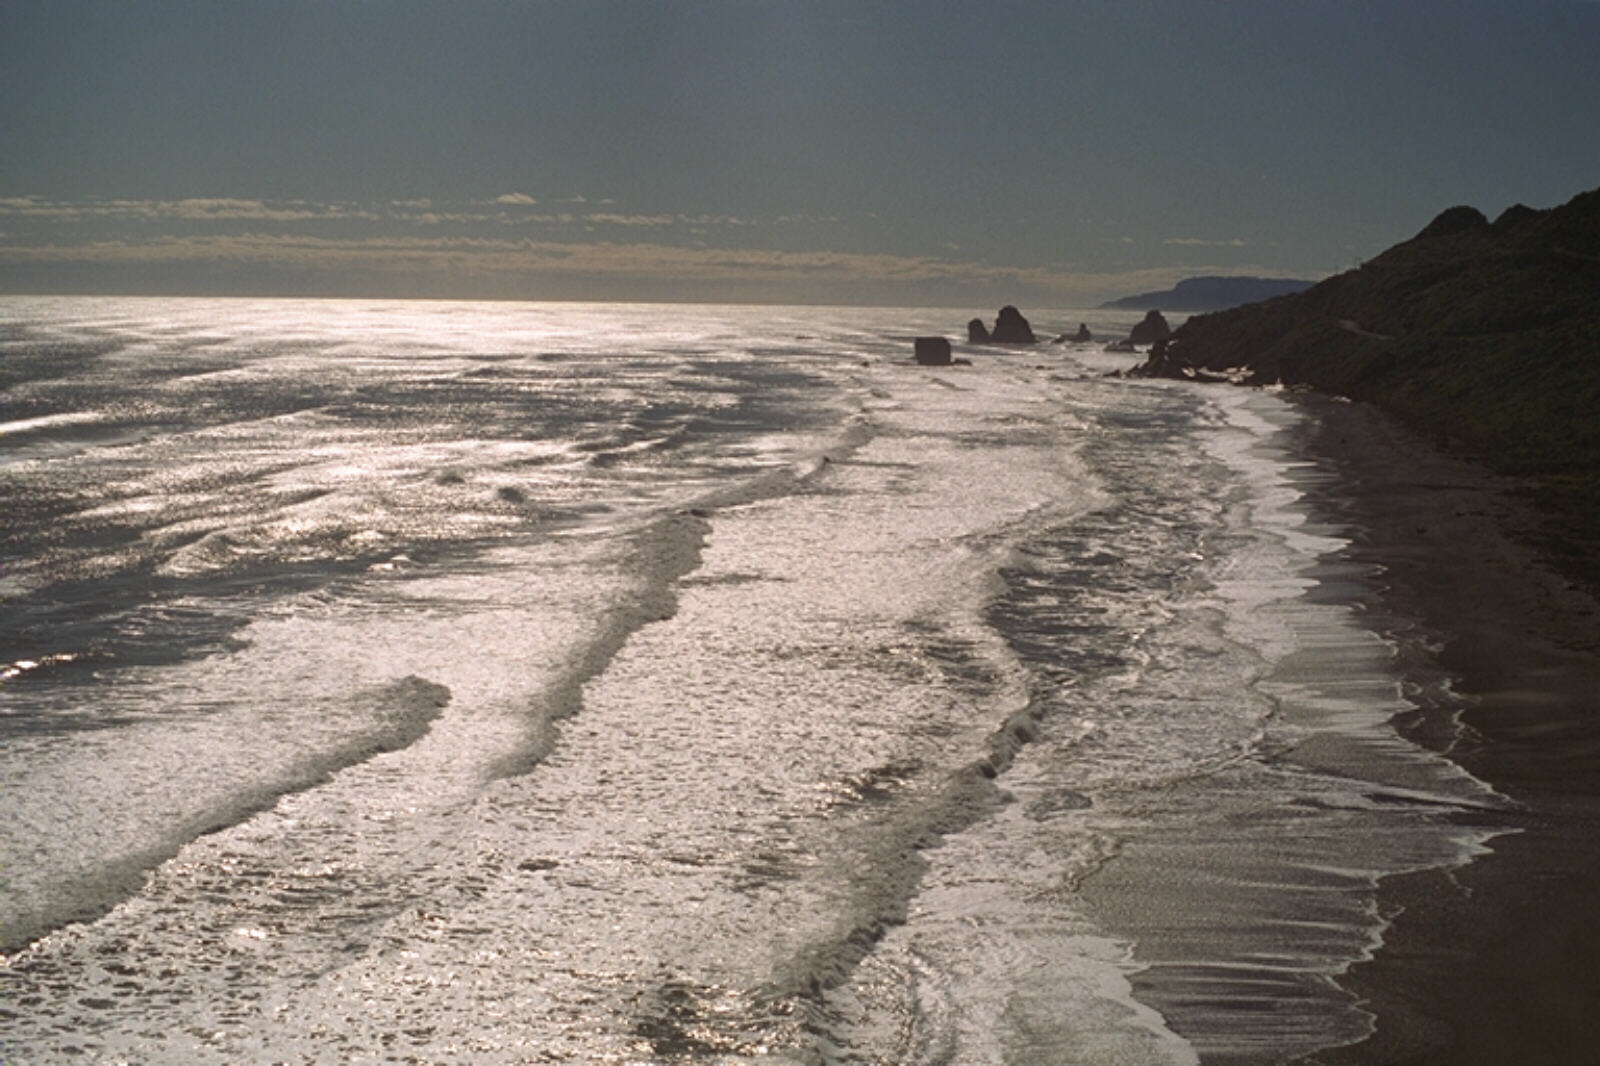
(1210,293)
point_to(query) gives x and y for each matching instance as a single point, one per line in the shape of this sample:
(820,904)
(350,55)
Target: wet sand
(1498,961)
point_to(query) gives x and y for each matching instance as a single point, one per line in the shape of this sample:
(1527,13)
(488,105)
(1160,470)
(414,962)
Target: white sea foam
(491,682)
(66,418)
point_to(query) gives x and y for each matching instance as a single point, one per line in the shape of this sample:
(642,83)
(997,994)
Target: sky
(927,152)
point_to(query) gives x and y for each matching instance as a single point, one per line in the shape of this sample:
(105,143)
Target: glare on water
(516,683)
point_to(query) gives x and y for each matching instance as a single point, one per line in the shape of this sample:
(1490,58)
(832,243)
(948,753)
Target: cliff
(1482,334)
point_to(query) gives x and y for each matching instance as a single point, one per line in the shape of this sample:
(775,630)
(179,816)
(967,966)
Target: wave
(76,869)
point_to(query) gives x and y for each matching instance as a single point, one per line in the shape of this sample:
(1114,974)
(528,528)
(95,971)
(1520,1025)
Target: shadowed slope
(1483,334)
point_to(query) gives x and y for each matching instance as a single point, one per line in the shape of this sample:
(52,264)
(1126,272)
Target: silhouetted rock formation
(1163,361)
(1211,293)
(1481,334)
(1083,336)
(1160,363)
(932,351)
(1011,328)
(1154,328)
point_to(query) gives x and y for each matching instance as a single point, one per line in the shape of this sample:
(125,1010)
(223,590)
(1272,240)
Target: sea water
(513,683)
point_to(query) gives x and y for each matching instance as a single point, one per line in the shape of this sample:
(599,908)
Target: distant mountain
(1486,335)
(1210,294)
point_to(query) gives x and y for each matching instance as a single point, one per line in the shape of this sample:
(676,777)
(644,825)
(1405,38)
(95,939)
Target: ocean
(428,682)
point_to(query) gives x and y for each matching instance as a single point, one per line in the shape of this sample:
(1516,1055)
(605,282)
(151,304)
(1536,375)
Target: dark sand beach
(1499,961)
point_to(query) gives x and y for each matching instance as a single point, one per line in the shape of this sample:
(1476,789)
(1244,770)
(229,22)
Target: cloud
(631,220)
(500,247)
(607,218)
(502,263)
(504,210)
(1199,242)
(256,210)
(197,209)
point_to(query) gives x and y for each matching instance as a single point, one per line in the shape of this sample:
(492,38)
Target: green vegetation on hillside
(1484,335)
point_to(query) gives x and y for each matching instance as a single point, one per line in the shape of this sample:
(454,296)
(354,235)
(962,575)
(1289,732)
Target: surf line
(665,550)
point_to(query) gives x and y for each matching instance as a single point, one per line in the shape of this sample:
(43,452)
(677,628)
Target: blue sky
(1053,153)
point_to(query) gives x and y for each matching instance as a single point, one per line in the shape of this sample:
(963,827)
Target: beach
(1493,962)
(382,684)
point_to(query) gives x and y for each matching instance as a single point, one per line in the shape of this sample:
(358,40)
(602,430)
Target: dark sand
(1498,961)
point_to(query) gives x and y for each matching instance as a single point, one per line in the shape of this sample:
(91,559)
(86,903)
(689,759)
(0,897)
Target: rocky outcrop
(1083,336)
(1165,361)
(1011,328)
(932,351)
(1159,363)
(1152,329)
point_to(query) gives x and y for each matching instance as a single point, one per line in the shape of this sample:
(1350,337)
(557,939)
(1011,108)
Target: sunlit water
(499,683)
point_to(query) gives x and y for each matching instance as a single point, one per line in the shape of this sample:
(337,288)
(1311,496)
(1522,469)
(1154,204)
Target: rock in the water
(1165,361)
(1154,328)
(1083,336)
(932,351)
(977,332)
(1162,362)
(1011,328)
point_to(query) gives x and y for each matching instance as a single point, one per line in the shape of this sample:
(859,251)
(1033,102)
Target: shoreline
(1499,960)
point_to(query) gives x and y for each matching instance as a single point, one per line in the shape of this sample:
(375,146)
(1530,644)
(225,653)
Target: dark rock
(1011,328)
(1162,362)
(1154,328)
(932,351)
(977,332)
(1165,361)
(1083,336)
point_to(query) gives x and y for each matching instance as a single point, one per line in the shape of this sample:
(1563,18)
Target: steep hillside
(1485,335)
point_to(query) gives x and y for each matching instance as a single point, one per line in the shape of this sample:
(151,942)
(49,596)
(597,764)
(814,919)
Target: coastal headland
(1483,336)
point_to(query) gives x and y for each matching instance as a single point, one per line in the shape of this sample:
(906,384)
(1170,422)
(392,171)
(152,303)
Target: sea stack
(1154,328)
(977,332)
(932,351)
(1011,328)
